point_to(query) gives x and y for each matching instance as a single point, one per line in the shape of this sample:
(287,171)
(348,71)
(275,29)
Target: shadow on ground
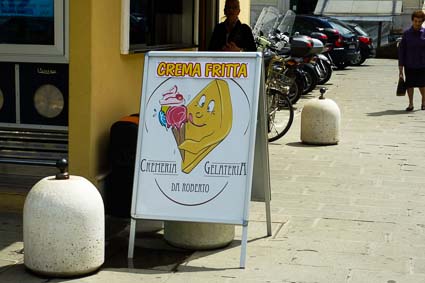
(300,144)
(153,252)
(388,112)
(152,255)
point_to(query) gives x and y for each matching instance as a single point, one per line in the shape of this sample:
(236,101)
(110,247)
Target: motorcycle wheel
(327,69)
(301,81)
(280,114)
(295,92)
(311,78)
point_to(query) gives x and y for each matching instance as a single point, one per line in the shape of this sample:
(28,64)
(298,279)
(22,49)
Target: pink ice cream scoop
(176,116)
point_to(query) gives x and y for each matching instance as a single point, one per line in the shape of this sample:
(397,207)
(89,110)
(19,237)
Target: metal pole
(379,33)
(131,238)
(244,244)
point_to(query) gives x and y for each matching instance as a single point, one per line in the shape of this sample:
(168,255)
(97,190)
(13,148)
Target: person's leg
(422,90)
(410,95)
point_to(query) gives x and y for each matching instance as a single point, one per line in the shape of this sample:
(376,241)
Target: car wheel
(358,61)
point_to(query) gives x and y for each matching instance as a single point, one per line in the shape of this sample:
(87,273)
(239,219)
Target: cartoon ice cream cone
(176,119)
(174,115)
(179,136)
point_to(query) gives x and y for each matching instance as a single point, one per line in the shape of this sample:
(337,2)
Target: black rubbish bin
(122,154)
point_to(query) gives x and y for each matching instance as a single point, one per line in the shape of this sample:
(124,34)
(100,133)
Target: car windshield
(360,31)
(342,29)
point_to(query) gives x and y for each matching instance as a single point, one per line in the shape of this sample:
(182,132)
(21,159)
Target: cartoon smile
(197,116)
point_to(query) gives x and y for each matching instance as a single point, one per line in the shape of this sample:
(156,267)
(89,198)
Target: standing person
(232,35)
(411,57)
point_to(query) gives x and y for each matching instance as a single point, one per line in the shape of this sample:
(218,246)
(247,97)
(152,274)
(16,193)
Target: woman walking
(411,58)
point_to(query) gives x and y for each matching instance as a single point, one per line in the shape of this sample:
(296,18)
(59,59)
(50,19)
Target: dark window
(164,24)
(305,6)
(303,26)
(27,22)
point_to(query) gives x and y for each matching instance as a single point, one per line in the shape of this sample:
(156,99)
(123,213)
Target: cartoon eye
(179,96)
(211,106)
(201,101)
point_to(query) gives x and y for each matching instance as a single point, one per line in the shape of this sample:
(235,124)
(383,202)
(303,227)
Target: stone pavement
(348,213)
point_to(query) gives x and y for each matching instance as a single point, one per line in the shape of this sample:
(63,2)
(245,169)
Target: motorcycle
(323,60)
(316,68)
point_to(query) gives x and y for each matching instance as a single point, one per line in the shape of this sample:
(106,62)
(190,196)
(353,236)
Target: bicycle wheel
(280,114)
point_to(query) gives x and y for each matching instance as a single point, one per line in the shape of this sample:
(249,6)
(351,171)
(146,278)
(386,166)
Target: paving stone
(362,276)
(397,249)
(121,276)
(5,264)
(287,212)
(18,273)
(351,261)
(13,252)
(336,234)
(354,225)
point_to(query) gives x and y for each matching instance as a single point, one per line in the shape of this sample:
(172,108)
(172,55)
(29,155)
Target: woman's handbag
(401,87)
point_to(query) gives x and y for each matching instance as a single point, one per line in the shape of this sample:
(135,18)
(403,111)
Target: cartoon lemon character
(209,122)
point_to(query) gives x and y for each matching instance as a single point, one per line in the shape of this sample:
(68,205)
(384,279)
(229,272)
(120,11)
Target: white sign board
(196,136)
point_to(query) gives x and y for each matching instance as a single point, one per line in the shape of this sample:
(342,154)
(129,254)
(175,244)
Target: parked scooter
(310,73)
(323,60)
(306,64)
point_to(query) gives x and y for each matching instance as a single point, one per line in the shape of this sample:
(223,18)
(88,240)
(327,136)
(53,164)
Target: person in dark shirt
(232,35)
(411,58)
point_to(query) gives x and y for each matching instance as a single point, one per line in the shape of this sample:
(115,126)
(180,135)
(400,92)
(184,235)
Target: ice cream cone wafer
(179,136)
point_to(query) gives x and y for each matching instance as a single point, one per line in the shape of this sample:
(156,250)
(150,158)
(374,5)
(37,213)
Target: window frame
(56,53)
(127,48)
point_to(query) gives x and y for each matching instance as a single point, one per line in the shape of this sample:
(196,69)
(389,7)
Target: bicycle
(279,107)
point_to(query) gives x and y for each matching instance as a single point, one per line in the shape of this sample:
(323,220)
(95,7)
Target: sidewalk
(349,213)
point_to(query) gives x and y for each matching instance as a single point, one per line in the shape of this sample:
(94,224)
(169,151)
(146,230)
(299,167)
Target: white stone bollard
(64,227)
(320,121)
(198,236)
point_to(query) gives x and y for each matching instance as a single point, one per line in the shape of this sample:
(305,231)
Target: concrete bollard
(149,226)
(64,226)
(198,236)
(320,121)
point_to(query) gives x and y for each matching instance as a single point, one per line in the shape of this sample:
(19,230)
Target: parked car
(367,49)
(344,45)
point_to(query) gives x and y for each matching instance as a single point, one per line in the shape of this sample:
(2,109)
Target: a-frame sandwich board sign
(198,140)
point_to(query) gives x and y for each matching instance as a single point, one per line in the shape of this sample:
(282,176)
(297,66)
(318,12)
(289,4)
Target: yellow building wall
(104,85)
